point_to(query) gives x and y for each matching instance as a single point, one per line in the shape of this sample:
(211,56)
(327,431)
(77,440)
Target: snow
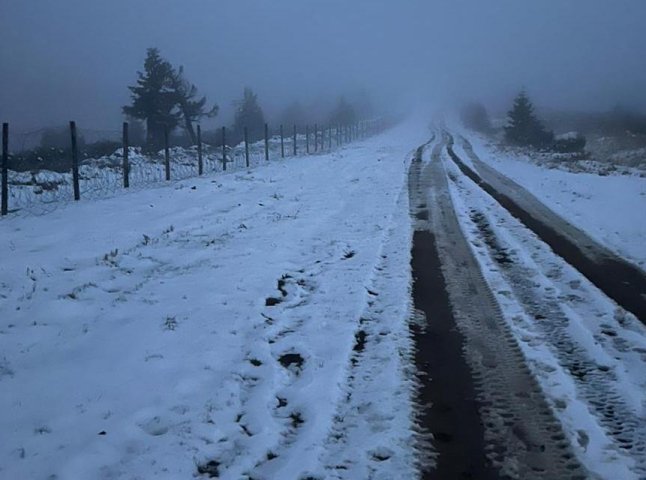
(612,209)
(42,191)
(568,136)
(595,334)
(213,320)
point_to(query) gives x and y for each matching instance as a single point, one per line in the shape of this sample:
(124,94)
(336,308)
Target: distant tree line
(163,99)
(523,127)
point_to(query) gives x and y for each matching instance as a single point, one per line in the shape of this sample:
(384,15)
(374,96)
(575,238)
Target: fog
(73,59)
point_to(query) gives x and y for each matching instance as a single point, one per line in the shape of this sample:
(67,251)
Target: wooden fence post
(126,152)
(307,139)
(75,162)
(224,149)
(200,160)
(266,142)
(166,152)
(246,146)
(294,139)
(4,203)
(282,142)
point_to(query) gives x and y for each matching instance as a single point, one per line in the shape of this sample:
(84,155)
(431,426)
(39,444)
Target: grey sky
(73,59)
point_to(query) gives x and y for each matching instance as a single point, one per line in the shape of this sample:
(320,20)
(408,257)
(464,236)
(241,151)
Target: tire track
(614,276)
(515,434)
(596,383)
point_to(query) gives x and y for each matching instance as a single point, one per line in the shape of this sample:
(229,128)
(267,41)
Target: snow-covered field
(42,191)
(612,208)
(237,324)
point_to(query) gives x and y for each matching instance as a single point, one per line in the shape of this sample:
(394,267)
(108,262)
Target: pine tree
(294,114)
(153,98)
(523,127)
(191,107)
(343,114)
(475,116)
(249,114)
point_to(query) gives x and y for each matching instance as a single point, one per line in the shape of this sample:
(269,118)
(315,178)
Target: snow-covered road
(251,325)
(587,354)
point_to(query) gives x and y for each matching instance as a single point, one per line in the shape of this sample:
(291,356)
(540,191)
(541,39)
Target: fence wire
(40,180)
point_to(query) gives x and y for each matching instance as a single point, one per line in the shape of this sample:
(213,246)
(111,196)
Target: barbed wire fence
(102,163)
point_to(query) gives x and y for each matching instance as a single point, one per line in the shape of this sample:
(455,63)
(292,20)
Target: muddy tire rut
(485,413)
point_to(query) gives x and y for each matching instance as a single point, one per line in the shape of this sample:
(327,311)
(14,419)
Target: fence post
(126,163)
(75,162)
(316,137)
(4,208)
(307,139)
(282,142)
(224,149)
(294,139)
(266,142)
(200,160)
(329,137)
(166,153)
(338,134)
(246,146)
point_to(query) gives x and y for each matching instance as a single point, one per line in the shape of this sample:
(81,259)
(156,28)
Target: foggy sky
(73,59)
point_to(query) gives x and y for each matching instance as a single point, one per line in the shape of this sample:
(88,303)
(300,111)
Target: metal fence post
(126,152)
(224,149)
(200,160)
(4,203)
(246,146)
(166,152)
(75,162)
(266,142)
